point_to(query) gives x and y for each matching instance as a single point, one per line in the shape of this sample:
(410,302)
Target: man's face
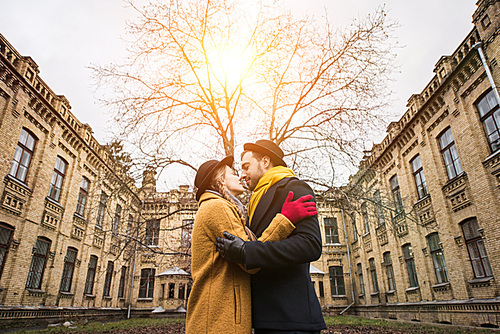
(251,170)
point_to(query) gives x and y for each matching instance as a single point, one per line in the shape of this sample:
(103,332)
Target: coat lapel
(258,224)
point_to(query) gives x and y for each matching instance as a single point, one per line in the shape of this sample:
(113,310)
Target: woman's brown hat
(204,173)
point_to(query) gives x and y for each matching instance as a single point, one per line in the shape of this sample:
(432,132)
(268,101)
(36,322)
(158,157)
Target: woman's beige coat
(220,299)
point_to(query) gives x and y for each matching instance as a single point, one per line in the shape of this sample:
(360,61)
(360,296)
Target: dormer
(414,103)
(442,67)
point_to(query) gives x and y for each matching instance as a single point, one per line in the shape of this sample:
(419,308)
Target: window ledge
(362,295)
(107,297)
(375,293)
(454,179)
(53,201)
(491,156)
(65,293)
(19,182)
(440,285)
(422,199)
(89,296)
(339,296)
(390,292)
(414,288)
(479,282)
(144,299)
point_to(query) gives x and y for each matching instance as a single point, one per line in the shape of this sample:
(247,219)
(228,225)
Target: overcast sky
(64,37)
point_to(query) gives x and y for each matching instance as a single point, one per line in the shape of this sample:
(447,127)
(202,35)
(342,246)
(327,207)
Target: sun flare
(230,65)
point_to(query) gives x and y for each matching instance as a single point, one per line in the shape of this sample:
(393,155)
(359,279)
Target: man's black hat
(267,147)
(204,174)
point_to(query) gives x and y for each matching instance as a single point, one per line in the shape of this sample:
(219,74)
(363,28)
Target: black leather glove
(231,248)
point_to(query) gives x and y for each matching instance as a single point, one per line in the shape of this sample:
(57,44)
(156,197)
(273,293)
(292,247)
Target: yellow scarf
(272,176)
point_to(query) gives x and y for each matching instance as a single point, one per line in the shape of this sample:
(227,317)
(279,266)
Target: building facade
(422,213)
(74,229)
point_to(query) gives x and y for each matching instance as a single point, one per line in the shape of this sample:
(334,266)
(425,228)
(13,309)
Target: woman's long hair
(216,185)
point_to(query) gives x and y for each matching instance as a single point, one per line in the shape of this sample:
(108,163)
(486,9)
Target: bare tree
(204,76)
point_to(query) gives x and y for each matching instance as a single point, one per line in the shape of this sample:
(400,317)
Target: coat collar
(257,225)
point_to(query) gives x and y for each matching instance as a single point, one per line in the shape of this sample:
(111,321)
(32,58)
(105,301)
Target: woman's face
(232,182)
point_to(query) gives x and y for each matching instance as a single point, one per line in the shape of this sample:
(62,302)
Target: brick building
(422,213)
(70,216)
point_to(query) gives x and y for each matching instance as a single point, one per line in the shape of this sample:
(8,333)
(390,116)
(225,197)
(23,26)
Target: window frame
(83,195)
(117,219)
(5,246)
(493,112)
(389,271)
(91,271)
(437,256)
(411,269)
(331,231)
(419,175)
(152,232)
(121,286)
(373,274)
(55,191)
(103,204)
(473,238)
(147,283)
(366,219)
(337,283)
(106,290)
(23,147)
(396,194)
(68,270)
(452,169)
(32,281)
(361,279)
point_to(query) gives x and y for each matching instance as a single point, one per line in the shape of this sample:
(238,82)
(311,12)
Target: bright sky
(65,37)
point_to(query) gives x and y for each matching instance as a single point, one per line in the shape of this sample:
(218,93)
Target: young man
(283,297)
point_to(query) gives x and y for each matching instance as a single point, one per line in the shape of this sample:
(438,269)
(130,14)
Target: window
(187,231)
(103,202)
(321,289)
(389,270)
(378,208)
(107,280)
(89,282)
(337,286)
(418,174)
(118,217)
(410,265)
(490,116)
(121,287)
(373,273)
(364,213)
(82,196)
(68,269)
(476,248)
(396,194)
(57,179)
(6,232)
(171,290)
(450,154)
(163,291)
(130,224)
(361,280)
(152,232)
(354,228)
(331,231)
(22,156)
(486,21)
(437,258)
(38,262)
(146,287)
(182,290)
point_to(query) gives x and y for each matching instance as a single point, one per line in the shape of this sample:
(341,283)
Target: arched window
(6,232)
(23,155)
(476,249)
(38,263)
(57,179)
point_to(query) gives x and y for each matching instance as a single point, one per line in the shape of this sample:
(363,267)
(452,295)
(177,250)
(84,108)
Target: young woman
(220,299)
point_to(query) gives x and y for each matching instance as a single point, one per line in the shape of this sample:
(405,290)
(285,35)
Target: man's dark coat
(283,296)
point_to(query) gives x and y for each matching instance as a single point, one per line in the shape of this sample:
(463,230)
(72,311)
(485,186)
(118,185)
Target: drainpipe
(349,260)
(478,47)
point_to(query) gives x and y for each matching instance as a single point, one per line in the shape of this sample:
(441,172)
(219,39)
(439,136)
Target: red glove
(299,209)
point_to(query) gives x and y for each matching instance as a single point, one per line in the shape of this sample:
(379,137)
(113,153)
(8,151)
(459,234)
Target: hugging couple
(252,270)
